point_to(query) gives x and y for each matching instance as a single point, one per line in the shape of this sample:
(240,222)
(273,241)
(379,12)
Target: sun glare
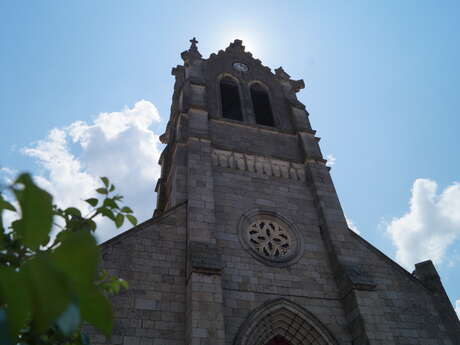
(249,41)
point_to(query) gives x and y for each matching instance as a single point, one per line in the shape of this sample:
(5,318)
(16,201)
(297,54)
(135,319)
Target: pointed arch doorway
(282,322)
(278,340)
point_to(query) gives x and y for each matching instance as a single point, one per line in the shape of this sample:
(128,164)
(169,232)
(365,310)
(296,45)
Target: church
(248,244)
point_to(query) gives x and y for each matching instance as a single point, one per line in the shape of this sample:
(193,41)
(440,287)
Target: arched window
(230,99)
(261,105)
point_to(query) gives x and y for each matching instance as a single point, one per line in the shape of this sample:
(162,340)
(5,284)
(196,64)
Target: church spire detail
(193,42)
(192,53)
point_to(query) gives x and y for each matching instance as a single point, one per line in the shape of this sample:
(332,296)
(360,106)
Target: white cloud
(6,176)
(352,225)
(120,145)
(330,160)
(457,307)
(431,225)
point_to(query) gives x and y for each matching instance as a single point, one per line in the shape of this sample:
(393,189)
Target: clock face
(241,67)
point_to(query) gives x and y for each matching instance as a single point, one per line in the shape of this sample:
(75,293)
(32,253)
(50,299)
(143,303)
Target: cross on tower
(192,52)
(194,42)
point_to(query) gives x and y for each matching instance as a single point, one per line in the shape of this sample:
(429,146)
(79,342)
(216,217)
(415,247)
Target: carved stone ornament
(270,238)
(259,165)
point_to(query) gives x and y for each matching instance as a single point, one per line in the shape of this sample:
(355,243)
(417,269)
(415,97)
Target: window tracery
(269,238)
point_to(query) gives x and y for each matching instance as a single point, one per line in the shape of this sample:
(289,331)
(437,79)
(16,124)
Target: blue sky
(382,90)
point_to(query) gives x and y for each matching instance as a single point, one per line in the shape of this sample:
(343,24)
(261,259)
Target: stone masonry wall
(408,311)
(247,283)
(151,257)
(400,304)
(255,140)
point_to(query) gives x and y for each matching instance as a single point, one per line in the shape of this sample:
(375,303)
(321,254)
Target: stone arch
(261,103)
(230,76)
(285,319)
(230,105)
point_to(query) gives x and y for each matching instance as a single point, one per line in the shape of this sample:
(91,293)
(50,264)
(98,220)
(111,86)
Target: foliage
(49,284)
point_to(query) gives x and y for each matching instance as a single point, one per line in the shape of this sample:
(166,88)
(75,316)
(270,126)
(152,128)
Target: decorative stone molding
(237,47)
(285,319)
(260,165)
(270,238)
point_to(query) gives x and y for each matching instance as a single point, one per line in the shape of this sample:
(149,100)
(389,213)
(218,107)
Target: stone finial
(281,73)
(177,71)
(192,53)
(236,45)
(164,138)
(296,85)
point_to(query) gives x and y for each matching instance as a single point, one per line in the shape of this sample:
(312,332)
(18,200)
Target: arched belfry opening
(261,105)
(282,322)
(230,99)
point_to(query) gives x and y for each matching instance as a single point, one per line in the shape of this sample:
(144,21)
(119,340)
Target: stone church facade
(248,244)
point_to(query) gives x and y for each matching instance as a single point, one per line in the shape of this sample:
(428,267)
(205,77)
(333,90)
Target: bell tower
(234,105)
(248,244)
(241,152)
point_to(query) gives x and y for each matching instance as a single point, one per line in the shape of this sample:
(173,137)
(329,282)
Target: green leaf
(92,201)
(109,202)
(73,211)
(14,291)
(123,283)
(77,257)
(105,180)
(132,219)
(81,224)
(5,338)
(37,213)
(102,191)
(112,188)
(107,212)
(69,321)
(126,209)
(49,291)
(97,310)
(5,205)
(91,224)
(62,235)
(102,274)
(119,219)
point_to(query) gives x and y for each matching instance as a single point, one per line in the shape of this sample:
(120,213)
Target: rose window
(268,238)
